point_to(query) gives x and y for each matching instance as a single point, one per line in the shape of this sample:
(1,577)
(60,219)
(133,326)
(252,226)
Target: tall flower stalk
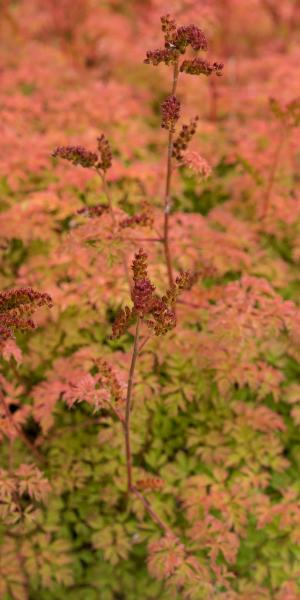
(177,40)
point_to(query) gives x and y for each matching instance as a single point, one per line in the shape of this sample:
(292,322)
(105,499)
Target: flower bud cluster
(78,155)
(168,26)
(164,317)
(143,219)
(165,55)
(182,141)
(176,42)
(184,281)
(17,307)
(199,66)
(142,292)
(156,312)
(170,110)
(190,35)
(92,211)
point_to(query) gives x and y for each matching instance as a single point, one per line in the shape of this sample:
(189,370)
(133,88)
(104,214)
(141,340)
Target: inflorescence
(176,42)
(78,155)
(182,141)
(157,312)
(170,110)
(16,308)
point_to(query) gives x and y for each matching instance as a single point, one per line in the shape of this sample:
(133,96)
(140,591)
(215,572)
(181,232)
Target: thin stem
(131,489)
(151,511)
(135,353)
(113,409)
(167,200)
(144,342)
(273,170)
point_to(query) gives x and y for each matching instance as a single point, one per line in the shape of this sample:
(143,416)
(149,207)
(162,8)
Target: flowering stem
(135,353)
(167,202)
(131,489)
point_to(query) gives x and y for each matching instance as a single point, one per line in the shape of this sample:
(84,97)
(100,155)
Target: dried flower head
(170,110)
(77,155)
(17,307)
(199,66)
(105,159)
(184,138)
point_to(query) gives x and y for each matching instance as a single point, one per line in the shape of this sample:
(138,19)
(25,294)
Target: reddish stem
(128,406)
(167,200)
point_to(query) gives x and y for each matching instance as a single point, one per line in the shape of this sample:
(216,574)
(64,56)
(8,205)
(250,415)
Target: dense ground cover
(210,508)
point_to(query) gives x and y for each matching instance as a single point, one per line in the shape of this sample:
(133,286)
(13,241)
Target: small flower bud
(76,155)
(185,136)
(198,66)
(170,109)
(190,35)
